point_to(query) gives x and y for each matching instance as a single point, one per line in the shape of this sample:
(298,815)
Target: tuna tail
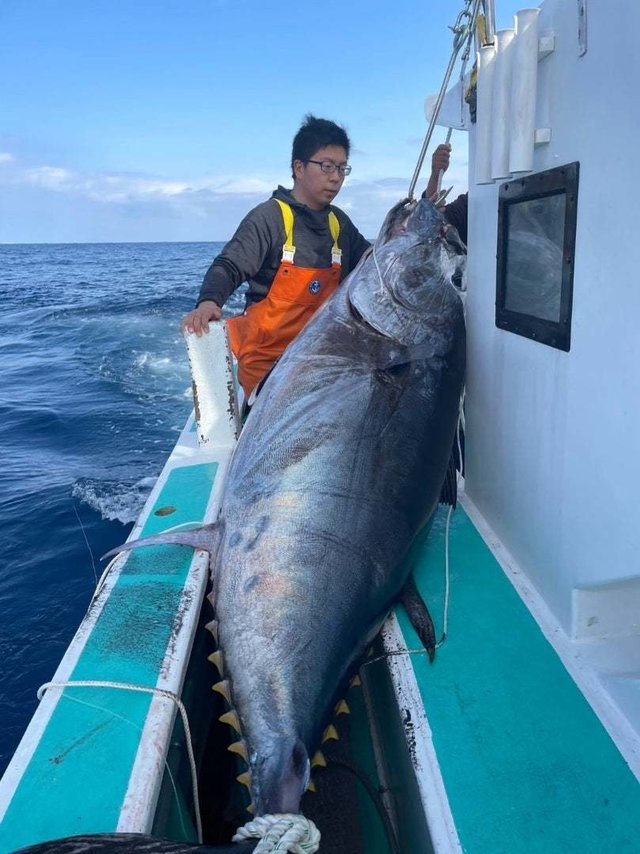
(206,538)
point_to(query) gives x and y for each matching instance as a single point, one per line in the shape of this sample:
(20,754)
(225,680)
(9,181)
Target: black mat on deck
(334,806)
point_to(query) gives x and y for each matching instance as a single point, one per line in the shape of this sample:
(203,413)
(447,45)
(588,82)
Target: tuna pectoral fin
(419,616)
(206,538)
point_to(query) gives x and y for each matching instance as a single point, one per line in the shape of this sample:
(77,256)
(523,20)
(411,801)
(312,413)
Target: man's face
(312,186)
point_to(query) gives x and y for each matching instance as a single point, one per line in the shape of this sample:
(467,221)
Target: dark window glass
(536,243)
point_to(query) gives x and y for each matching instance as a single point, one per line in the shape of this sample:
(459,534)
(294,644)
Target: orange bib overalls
(261,335)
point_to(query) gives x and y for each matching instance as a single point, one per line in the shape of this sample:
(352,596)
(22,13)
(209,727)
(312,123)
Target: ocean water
(94,389)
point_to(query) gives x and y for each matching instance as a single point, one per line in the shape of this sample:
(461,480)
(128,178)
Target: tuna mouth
(281,777)
(396,221)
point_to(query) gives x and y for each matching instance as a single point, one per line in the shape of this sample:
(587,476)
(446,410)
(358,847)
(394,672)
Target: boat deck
(525,763)
(493,748)
(138,631)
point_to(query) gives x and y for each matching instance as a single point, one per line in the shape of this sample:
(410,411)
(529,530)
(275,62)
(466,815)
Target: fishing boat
(524,734)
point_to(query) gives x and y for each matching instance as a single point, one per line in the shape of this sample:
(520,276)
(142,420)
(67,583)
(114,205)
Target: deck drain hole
(165,511)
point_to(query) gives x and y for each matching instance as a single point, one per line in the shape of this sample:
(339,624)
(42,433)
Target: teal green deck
(78,777)
(527,765)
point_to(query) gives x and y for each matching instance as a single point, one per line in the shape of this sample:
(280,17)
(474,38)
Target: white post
(500,107)
(484,97)
(214,387)
(524,91)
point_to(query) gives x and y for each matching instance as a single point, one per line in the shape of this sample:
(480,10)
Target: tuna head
(413,279)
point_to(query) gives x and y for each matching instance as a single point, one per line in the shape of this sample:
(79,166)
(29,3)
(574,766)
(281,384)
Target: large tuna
(338,467)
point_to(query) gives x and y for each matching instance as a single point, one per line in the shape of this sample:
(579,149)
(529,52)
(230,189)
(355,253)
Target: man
(293,250)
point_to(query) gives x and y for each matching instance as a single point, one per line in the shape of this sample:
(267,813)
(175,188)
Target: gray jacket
(254,252)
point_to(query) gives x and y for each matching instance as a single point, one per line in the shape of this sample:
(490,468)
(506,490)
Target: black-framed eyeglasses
(329,168)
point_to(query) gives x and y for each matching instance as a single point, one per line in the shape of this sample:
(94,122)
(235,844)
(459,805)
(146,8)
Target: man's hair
(315,134)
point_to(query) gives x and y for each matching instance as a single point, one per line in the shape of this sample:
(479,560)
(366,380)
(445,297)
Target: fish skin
(337,469)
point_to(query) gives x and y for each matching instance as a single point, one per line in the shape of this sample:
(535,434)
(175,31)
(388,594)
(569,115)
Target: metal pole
(432,121)
(462,35)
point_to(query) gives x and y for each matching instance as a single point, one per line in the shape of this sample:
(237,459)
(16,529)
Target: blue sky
(127,120)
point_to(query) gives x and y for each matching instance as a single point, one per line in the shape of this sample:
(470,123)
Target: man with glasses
(293,250)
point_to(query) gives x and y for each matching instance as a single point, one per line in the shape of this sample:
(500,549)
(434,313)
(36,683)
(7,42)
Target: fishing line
(159,692)
(379,271)
(93,563)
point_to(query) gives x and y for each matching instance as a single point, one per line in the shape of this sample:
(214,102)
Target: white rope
(447,571)
(281,832)
(447,583)
(159,692)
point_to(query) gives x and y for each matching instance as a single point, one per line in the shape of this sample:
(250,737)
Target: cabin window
(536,248)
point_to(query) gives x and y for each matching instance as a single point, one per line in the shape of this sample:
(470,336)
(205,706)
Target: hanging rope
(463,31)
(143,689)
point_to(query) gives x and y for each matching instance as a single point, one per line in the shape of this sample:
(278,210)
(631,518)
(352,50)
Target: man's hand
(440,159)
(439,163)
(198,320)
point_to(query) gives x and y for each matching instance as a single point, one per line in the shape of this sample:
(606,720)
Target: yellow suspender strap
(289,250)
(336,252)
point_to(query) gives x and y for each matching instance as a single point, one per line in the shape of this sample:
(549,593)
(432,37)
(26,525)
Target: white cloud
(67,205)
(245,185)
(119,188)
(48,177)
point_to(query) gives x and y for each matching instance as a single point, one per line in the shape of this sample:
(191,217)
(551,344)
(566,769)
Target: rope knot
(281,832)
